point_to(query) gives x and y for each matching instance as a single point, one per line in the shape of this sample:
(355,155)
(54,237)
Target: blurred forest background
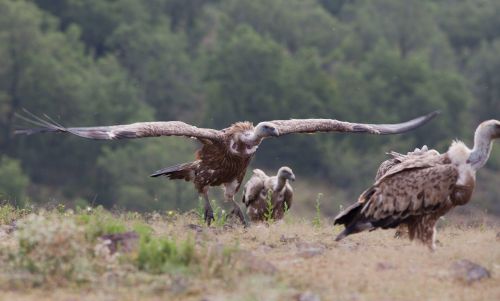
(213,62)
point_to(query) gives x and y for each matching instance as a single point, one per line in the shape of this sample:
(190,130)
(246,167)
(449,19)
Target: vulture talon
(238,213)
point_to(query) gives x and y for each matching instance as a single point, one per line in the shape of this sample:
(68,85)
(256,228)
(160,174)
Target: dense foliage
(213,62)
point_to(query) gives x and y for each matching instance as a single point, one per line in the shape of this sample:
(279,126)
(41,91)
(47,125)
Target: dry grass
(233,263)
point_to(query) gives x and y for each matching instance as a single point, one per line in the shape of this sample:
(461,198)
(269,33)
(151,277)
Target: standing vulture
(268,197)
(421,188)
(397,158)
(225,154)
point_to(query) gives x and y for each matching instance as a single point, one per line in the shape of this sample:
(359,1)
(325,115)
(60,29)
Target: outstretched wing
(125,131)
(331,125)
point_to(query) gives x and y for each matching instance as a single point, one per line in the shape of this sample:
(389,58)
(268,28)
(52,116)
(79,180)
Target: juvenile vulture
(262,189)
(225,154)
(421,188)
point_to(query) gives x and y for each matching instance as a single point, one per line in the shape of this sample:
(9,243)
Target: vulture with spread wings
(415,190)
(225,154)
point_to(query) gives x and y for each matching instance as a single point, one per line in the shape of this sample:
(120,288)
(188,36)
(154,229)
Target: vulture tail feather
(356,227)
(178,171)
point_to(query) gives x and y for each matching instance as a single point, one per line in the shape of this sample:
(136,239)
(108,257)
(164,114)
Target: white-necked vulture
(225,154)
(268,197)
(421,188)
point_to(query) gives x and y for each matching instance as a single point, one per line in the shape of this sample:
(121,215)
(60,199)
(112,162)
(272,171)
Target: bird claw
(237,212)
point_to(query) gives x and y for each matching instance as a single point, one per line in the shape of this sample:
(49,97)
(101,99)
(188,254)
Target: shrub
(162,255)
(13,182)
(98,222)
(7,214)
(53,247)
(317,218)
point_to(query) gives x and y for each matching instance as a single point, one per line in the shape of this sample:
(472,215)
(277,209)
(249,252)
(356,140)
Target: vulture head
(286,172)
(496,129)
(489,129)
(266,129)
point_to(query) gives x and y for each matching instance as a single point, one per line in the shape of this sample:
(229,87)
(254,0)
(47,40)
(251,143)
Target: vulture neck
(280,183)
(252,140)
(482,149)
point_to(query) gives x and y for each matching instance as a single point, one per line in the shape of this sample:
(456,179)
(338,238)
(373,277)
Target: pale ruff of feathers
(458,154)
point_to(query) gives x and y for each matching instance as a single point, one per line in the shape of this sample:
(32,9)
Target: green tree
(468,23)
(126,171)
(48,71)
(292,23)
(483,70)
(13,182)
(158,63)
(97,18)
(408,26)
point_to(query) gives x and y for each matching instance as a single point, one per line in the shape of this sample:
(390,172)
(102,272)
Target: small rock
(264,248)
(347,245)
(179,285)
(195,227)
(308,245)
(125,242)
(468,271)
(381,266)
(311,252)
(307,296)
(308,250)
(255,264)
(289,239)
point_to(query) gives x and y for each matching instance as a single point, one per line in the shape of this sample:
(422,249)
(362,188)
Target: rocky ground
(94,255)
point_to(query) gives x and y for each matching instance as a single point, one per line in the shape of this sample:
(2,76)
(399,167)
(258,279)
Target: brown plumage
(261,189)
(420,188)
(396,158)
(225,154)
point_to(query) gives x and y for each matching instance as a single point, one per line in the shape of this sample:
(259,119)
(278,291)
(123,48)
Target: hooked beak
(274,132)
(292,178)
(496,135)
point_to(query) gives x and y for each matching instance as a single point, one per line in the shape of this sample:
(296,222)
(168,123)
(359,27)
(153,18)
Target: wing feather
(286,127)
(254,187)
(411,157)
(409,193)
(427,160)
(125,131)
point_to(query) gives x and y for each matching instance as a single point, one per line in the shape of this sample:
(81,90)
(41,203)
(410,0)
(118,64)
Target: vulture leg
(237,211)
(209,213)
(424,230)
(229,192)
